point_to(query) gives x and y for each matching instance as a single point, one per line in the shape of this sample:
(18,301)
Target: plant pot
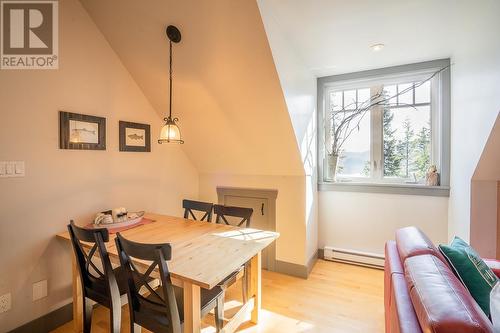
(332,166)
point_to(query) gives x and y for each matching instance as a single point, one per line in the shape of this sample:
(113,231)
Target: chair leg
(134,328)
(115,319)
(244,284)
(87,315)
(219,313)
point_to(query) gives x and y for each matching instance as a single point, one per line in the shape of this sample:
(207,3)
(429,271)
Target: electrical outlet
(5,303)
(39,290)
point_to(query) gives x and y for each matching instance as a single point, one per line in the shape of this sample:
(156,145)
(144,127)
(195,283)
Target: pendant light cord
(170,83)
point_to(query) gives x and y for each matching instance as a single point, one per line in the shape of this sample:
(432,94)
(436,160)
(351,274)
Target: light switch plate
(39,290)
(19,168)
(10,169)
(5,302)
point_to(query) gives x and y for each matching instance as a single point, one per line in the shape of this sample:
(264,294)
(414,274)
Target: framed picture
(81,131)
(135,137)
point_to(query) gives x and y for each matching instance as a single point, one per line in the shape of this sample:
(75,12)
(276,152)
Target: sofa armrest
(494,264)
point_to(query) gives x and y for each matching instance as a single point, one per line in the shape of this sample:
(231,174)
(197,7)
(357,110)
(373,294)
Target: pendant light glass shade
(170,132)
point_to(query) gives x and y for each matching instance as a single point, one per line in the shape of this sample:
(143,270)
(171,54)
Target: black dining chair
(162,311)
(100,282)
(243,213)
(190,206)
(243,217)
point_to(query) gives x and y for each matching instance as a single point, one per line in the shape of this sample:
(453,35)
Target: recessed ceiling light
(377,47)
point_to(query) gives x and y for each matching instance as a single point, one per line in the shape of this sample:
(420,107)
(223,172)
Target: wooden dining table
(203,254)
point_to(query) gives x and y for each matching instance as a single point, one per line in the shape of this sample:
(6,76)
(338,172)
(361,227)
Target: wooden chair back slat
(88,262)
(222,212)
(190,206)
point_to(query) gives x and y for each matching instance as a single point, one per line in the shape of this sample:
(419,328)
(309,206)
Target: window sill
(407,189)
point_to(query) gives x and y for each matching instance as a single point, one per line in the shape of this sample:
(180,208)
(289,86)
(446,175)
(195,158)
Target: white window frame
(440,122)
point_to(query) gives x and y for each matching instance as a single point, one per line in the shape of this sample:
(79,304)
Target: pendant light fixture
(170,132)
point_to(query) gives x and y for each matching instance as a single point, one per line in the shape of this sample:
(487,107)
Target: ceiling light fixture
(170,132)
(377,47)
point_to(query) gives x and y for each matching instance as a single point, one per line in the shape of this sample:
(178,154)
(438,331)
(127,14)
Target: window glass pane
(390,93)
(350,99)
(423,93)
(407,143)
(354,158)
(336,101)
(363,98)
(405,93)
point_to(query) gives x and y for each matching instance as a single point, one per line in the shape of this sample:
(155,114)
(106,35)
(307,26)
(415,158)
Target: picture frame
(134,137)
(81,131)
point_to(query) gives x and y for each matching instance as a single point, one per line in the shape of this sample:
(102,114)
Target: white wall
(299,89)
(365,221)
(333,37)
(475,81)
(474,48)
(67,184)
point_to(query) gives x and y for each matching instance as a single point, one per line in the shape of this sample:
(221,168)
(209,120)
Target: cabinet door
(259,217)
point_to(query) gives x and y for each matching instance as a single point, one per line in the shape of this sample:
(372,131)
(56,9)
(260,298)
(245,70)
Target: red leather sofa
(422,294)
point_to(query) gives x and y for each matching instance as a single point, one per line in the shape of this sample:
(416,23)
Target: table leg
(255,286)
(192,308)
(77,298)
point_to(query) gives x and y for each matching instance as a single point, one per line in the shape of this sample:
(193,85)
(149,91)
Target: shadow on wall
(485,198)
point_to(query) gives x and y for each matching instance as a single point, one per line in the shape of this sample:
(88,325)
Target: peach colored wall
(64,184)
(483,223)
(290,208)
(498,220)
(484,202)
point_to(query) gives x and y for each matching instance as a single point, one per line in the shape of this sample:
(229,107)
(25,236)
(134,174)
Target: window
(385,128)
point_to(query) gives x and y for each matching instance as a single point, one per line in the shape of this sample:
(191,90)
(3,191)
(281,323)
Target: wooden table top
(202,253)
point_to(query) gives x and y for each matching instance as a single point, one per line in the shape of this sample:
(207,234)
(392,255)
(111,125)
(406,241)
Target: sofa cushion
(441,302)
(413,242)
(472,270)
(392,260)
(402,318)
(392,265)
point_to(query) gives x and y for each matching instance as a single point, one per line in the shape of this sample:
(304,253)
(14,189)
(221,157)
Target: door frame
(257,193)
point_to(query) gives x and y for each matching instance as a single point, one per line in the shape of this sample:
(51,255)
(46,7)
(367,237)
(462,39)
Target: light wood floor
(335,298)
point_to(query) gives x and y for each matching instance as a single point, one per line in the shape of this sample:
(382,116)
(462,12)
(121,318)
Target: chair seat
(155,313)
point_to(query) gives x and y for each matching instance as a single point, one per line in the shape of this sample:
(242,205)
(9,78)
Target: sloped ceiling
(227,94)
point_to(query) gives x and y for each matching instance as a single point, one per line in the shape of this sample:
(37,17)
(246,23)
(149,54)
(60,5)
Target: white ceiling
(334,36)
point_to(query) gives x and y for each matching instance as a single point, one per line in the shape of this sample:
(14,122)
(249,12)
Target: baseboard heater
(354,257)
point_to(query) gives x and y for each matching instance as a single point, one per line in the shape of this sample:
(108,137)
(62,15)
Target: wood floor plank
(335,298)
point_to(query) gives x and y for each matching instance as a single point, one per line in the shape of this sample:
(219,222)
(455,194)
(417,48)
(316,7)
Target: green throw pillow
(477,277)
